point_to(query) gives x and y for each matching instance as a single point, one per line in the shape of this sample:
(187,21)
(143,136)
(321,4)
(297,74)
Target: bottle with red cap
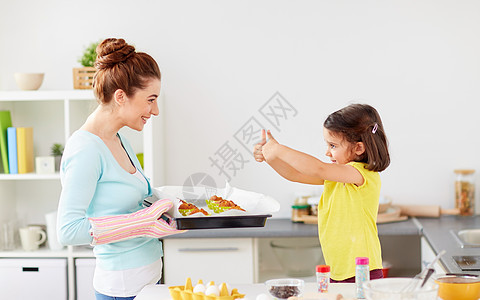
(323,278)
(362,274)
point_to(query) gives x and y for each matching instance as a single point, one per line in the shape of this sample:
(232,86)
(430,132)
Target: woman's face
(338,149)
(142,105)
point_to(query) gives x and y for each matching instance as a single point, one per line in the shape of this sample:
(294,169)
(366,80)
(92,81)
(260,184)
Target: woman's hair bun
(111,52)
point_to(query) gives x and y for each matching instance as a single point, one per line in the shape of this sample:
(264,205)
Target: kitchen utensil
(29,81)
(51,220)
(418,282)
(32,237)
(392,289)
(285,287)
(392,214)
(7,236)
(433,211)
(458,286)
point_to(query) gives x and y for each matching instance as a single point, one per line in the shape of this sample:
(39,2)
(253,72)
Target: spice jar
(298,211)
(465,191)
(362,274)
(323,278)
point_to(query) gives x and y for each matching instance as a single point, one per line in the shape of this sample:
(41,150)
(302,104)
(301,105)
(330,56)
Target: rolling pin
(433,211)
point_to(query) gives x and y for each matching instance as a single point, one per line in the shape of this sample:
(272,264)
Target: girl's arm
(310,167)
(282,168)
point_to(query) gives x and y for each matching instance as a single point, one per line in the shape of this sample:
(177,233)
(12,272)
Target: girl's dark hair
(119,66)
(362,123)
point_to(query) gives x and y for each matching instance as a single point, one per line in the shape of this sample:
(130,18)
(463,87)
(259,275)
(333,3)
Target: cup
(7,236)
(32,237)
(51,219)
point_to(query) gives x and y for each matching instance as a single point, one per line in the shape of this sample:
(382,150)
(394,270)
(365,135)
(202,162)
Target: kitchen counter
(435,230)
(160,291)
(437,233)
(275,228)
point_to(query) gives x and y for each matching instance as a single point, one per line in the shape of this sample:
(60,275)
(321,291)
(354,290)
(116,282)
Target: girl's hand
(268,147)
(257,149)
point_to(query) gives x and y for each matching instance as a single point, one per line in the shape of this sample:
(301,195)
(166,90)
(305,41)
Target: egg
(210,283)
(212,290)
(199,288)
(263,297)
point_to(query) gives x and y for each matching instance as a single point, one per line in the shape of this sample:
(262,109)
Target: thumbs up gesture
(263,146)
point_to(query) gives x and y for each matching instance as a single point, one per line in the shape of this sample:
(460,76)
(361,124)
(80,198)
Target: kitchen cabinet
(428,255)
(231,260)
(54,116)
(30,278)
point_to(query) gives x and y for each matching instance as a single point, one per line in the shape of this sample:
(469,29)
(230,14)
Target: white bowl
(29,81)
(394,288)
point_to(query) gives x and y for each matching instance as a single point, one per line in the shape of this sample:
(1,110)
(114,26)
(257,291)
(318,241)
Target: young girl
(347,211)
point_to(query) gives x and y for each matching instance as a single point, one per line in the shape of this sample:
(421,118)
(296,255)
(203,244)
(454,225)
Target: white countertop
(251,291)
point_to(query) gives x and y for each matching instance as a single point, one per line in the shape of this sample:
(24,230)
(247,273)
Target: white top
(126,283)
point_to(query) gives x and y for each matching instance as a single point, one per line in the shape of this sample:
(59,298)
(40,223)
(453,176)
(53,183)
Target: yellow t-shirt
(347,228)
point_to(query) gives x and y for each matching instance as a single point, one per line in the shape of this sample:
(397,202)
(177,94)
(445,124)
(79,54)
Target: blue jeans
(99,296)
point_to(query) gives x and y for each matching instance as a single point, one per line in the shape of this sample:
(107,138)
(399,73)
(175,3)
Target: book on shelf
(5,122)
(12,150)
(25,150)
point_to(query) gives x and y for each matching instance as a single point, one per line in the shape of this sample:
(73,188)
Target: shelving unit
(55,115)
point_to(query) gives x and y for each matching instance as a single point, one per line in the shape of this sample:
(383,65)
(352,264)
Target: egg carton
(186,293)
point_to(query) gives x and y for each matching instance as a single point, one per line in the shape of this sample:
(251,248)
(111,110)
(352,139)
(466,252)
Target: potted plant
(57,151)
(83,77)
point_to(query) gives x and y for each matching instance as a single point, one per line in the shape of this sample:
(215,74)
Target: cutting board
(392,214)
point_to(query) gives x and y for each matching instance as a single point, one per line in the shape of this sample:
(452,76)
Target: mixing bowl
(394,289)
(285,287)
(458,287)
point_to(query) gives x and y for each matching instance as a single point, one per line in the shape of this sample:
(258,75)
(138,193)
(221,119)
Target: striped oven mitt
(146,222)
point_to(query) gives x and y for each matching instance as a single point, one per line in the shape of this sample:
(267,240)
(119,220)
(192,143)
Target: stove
(468,263)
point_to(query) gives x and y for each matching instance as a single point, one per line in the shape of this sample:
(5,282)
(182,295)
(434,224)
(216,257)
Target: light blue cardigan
(94,185)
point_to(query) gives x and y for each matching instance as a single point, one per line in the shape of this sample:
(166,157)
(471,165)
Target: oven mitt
(147,222)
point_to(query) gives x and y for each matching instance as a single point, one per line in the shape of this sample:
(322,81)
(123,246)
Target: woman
(103,185)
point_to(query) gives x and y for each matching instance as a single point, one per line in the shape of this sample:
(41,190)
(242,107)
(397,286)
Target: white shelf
(45,252)
(30,176)
(46,95)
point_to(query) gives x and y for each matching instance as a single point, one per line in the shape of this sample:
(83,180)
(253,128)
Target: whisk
(421,278)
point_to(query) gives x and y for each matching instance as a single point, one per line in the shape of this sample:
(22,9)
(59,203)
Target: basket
(83,78)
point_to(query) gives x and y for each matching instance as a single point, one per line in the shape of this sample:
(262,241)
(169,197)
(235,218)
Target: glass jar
(323,278)
(465,191)
(298,211)
(362,274)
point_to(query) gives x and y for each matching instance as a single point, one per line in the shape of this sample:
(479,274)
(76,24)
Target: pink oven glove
(143,223)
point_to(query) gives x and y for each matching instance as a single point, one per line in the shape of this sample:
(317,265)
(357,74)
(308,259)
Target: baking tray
(213,222)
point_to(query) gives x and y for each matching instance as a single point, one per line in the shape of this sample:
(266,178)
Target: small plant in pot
(57,151)
(83,77)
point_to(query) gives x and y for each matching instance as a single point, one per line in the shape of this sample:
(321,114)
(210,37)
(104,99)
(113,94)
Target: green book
(5,122)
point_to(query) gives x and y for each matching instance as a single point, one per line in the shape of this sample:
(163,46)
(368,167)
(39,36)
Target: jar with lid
(465,191)
(323,278)
(362,274)
(298,211)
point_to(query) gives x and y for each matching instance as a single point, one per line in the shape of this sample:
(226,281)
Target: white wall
(417,62)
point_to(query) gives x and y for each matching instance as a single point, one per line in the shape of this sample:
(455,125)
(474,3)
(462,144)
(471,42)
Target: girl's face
(142,105)
(338,149)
